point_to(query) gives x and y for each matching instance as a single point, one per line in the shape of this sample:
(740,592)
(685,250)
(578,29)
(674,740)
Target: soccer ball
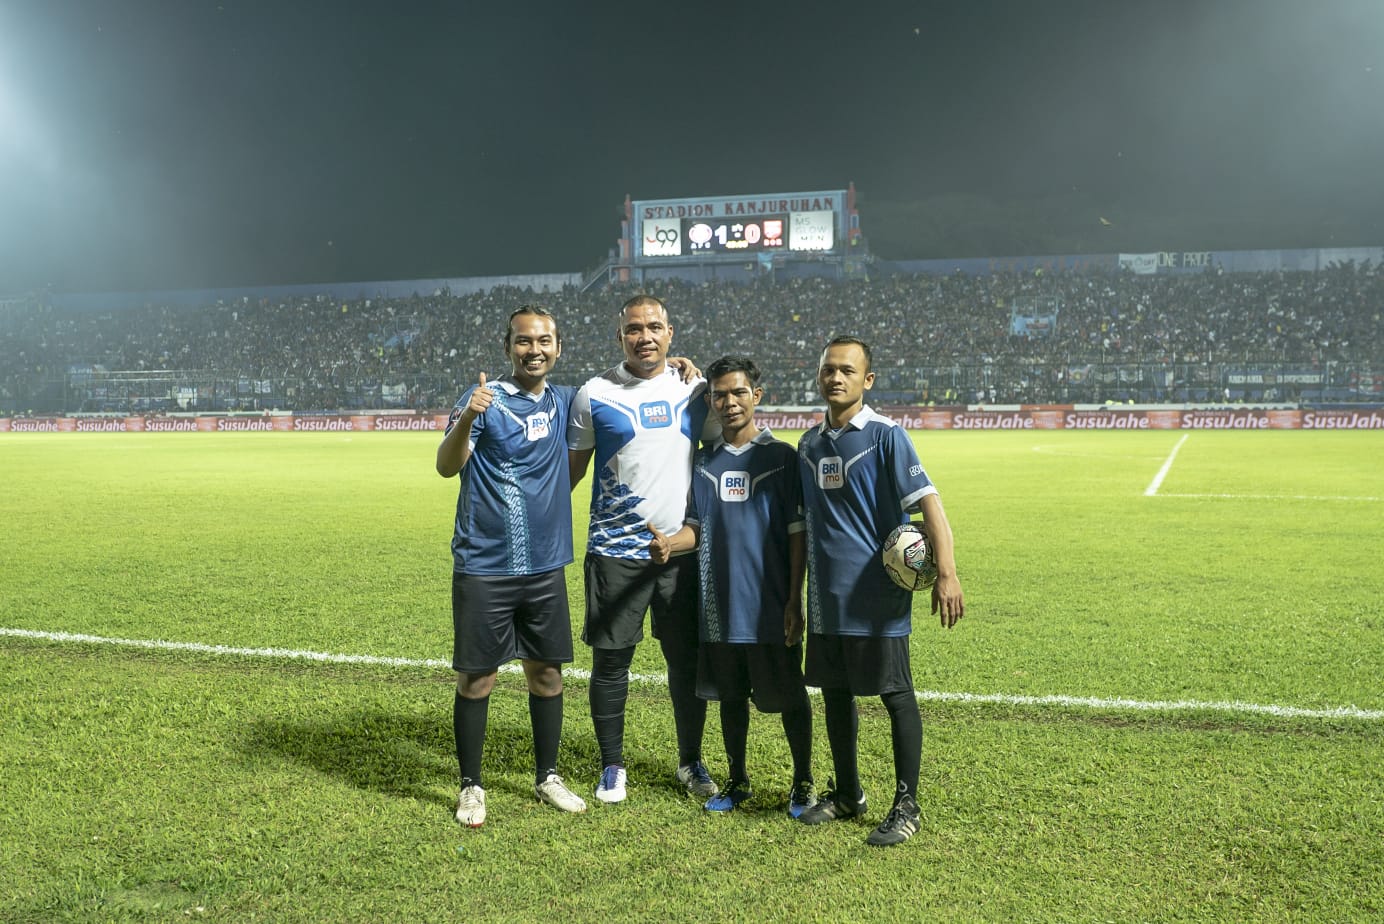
(907,556)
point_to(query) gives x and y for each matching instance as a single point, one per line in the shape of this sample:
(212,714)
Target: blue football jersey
(514,507)
(745,502)
(859,482)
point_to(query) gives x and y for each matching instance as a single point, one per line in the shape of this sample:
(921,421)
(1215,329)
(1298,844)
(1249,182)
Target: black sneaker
(898,826)
(832,807)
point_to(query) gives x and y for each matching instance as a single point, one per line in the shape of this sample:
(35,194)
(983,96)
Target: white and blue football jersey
(859,482)
(514,508)
(644,432)
(745,502)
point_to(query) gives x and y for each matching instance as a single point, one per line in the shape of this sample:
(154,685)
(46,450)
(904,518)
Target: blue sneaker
(697,780)
(801,797)
(727,799)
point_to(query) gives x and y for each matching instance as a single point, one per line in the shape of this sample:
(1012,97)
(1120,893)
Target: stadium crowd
(938,338)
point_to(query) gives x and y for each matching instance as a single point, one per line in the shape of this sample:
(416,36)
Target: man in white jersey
(642,423)
(507,440)
(744,517)
(861,478)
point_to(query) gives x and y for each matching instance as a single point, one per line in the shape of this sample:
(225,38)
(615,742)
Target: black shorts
(864,666)
(619,591)
(497,618)
(771,676)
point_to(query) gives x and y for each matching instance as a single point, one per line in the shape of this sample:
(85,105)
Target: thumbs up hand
(660,549)
(481,399)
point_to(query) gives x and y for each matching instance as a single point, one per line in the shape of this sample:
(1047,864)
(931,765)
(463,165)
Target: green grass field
(1158,707)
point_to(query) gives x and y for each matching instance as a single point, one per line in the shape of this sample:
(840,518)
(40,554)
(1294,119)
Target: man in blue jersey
(861,478)
(642,423)
(744,517)
(510,545)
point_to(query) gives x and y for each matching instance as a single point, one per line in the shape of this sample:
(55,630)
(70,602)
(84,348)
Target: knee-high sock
(842,728)
(545,715)
(797,728)
(906,728)
(610,687)
(468,728)
(735,733)
(689,709)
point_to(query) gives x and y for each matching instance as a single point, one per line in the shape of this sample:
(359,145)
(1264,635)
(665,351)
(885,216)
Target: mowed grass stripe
(571,673)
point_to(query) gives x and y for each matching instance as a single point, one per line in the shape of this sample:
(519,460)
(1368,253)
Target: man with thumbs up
(511,543)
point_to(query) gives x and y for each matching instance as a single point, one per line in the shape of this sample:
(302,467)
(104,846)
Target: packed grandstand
(1304,337)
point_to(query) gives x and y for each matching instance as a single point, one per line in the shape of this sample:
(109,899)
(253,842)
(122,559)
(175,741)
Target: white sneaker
(611,788)
(555,792)
(471,807)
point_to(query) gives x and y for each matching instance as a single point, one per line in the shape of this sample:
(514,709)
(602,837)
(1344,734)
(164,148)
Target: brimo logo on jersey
(536,427)
(655,415)
(735,487)
(831,473)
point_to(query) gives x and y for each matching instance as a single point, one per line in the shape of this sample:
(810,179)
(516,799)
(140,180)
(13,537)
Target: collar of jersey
(763,436)
(861,418)
(512,388)
(625,376)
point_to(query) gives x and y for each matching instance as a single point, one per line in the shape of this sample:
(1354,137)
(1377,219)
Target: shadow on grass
(414,756)
(409,756)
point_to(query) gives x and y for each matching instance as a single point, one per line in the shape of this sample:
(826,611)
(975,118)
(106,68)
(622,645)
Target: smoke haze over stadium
(158,144)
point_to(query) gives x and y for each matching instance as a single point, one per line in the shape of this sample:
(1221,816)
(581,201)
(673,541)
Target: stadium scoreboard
(735,227)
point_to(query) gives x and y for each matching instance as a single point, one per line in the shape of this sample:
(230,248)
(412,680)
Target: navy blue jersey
(514,508)
(859,482)
(745,502)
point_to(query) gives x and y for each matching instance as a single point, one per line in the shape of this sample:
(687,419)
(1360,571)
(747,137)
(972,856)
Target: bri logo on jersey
(536,427)
(735,487)
(655,414)
(831,473)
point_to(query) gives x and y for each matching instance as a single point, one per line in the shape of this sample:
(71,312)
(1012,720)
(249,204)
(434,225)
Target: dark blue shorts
(769,675)
(498,618)
(619,591)
(863,666)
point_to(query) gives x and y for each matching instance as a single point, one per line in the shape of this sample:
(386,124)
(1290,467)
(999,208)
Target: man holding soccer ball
(861,478)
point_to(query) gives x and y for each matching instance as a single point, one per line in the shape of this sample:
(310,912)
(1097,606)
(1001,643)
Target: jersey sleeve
(693,515)
(793,486)
(580,432)
(908,473)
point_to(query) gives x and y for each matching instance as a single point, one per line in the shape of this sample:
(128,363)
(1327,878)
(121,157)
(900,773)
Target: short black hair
(728,364)
(644,299)
(844,340)
(530,309)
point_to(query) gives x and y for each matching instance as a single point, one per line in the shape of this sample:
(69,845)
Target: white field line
(1083,702)
(1310,497)
(1152,489)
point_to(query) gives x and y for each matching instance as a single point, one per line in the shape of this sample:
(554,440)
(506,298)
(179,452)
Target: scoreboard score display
(668,230)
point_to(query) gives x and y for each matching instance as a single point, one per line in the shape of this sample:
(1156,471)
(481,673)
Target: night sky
(181,143)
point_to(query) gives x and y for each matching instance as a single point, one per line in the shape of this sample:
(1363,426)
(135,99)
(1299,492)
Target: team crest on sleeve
(915,470)
(831,473)
(655,414)
(536,427)
(735,487)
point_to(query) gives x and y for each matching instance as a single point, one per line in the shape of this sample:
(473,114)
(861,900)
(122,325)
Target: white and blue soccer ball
(908,558)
